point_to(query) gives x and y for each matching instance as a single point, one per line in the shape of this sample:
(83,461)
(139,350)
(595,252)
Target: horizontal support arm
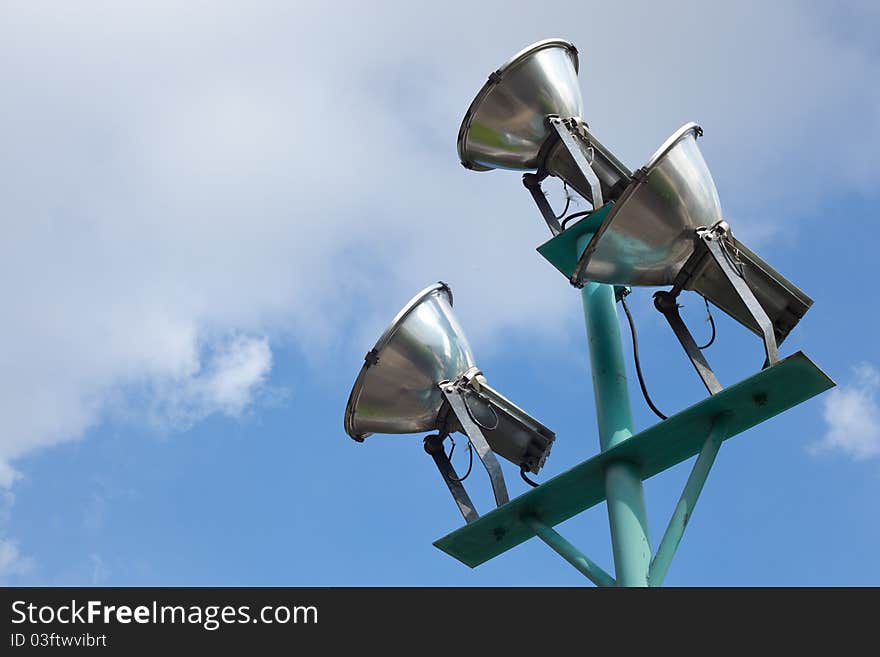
(570,553)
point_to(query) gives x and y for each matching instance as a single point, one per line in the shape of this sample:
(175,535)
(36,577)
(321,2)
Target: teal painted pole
(570,553)
(627,516)
(686,503)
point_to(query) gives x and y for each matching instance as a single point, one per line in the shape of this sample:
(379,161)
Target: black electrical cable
(470,461)
(522,473)
(635,341)
(567,200)
(712,322)
(474,417)
(574,216)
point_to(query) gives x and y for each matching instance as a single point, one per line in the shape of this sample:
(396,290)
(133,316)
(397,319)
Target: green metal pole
(627,516)
(570,553)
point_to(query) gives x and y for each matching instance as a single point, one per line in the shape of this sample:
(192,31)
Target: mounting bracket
(434,447)
(454,392)
(712,243)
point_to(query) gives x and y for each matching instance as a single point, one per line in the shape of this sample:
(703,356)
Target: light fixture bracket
(714,244)
(567,129)
(456,395)
(493,425)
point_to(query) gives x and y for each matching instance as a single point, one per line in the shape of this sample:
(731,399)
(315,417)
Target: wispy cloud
(7,474)
(232,375)
(852,416)
(12,561)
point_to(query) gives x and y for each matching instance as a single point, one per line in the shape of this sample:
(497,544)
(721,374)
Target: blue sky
(210,213)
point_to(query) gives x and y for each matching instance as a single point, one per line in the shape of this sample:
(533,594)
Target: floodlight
(660,225)
(420,376)
(527,117)
(666,228)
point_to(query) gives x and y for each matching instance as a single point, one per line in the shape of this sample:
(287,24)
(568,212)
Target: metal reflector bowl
(396,390)
(506,124)
(649,233)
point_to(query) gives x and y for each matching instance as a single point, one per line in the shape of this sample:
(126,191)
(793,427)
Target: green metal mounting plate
(562,251)
(751,401)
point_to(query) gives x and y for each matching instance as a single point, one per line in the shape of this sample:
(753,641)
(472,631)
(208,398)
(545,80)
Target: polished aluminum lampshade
(649,238)
(420,357)
(528,117)
(421,377)
(506,124)
(648,234)
(396,390)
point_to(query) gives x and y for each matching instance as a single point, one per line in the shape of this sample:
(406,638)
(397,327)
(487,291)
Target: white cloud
(175,174)
(8,475)
(12,561)
(853,416)
(232,376)
(234,373)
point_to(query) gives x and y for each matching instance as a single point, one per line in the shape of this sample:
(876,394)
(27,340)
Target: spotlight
(527,117)
(420,377)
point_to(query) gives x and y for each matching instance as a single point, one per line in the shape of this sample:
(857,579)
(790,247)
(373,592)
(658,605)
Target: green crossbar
(749,402)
